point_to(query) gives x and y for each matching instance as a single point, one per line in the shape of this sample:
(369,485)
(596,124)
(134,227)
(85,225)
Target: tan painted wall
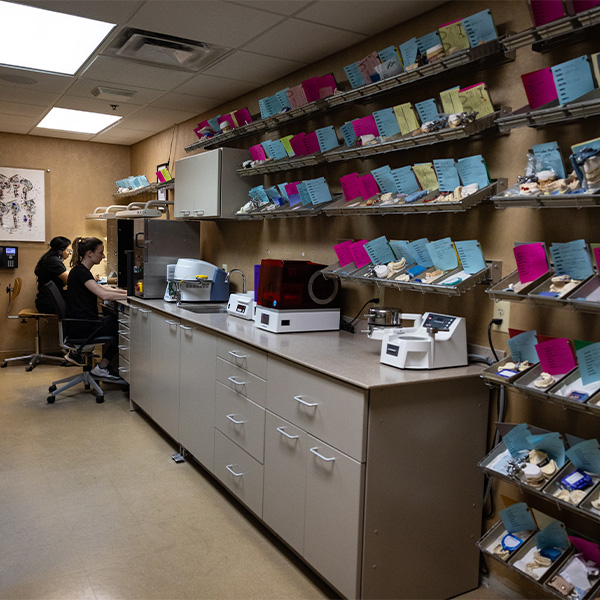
(79,177)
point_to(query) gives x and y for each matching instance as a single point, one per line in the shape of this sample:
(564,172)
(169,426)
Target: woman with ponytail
(83,292)
(51,267)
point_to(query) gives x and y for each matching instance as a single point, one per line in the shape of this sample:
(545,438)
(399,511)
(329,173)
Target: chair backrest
(13,293)
(57,300)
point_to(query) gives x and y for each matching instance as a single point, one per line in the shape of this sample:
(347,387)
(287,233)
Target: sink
(205,308)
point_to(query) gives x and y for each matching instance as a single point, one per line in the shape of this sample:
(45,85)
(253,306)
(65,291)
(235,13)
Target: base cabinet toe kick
(377,490)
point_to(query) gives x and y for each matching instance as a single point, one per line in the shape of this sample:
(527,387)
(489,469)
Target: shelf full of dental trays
(417,139)
(480,57)
(461,200)
(550,290)
(147,189)
(449,283)
(545,481)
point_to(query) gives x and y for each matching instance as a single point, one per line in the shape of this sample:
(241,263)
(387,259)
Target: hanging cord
(348,325)
(493,322)
(171,149)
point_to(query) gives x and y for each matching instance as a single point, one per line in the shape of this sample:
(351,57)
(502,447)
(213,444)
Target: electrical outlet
(501,311)
(379,293)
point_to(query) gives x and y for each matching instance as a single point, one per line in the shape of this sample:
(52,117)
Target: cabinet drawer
(328,409)
(124,368)
(241,420)
(243,356)
(241,474)
(124,347)
(242,381)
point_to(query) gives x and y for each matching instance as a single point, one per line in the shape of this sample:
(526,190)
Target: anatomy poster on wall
(22,205)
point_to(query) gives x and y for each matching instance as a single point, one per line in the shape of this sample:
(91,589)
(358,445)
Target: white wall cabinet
(140,339)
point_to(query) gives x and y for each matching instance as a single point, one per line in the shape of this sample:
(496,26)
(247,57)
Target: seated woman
(82,301)
(51,267)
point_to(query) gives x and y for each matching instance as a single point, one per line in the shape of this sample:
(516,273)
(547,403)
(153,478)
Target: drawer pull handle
(230,417)
(169,322)
(310,404)
(236,382)
(123,347)
(236,355)
(123,369)
(123,331)
(145,312)
(229,468)
(325,458)
(287,435)
(186,328)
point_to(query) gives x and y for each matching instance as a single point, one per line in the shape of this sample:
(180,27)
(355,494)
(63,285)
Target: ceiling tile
(126,72)
(218,88)
(289,7)
(24,95)
(36,80)
(254,67)
(115,11)
(83,88)
(23,110)
(16,124)
(365,17)
(195,104)
(155,119)
(98,106)
(210,21)
(307,42)
(118,135)
(66,135)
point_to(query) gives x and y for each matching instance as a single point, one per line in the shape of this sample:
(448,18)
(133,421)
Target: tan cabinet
(197,363)
(243,356)
(241,381)
(140,340)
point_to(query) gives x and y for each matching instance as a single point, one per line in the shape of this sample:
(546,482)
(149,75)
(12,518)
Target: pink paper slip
(539,87)
(298,145)
(359,254)
(311,143)
(556,356)
(350,187)
(589,550)
(296,96)
(365,126)
(242,116)
(368,186)
(257,152)
(597,256)
(531,261)
(227,118)
(342,251)
(546,11)
(581,5)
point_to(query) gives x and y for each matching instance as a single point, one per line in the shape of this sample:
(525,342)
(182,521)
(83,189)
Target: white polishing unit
(438,341)
(242,305)
(283,321)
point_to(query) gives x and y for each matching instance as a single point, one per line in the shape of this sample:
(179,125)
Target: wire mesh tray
(511,198)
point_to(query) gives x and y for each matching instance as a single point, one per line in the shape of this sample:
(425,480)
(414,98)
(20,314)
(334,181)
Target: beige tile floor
(93,507)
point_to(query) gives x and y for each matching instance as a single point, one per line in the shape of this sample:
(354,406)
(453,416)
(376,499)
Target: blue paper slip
(327,138)
(388,53)
(294,199)
(595,143)
(405,180)
(282,98)
(379,251)
(427,110)
(354,75)
(214,123)
(386,122)
(281,187)
(572,258)
(442,253)
(552,536)
(517,517)
(304,194)
(402,250)
(269,106)
(384,179)
(551,159)
(516,440)
(408,52)
(274,195)
(480,28)
(573,79)
(445,169)
(471,256)
(550,443)
(586,456)
(588,359)
(274,149)
(348,132)
(418,248)
(472,169)
(522,347)
(259,194)
(427,41)
(318,190)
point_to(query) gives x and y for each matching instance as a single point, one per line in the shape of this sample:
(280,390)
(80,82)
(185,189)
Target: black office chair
(76,345)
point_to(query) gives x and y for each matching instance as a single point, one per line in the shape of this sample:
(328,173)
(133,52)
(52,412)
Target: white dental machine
(434,341)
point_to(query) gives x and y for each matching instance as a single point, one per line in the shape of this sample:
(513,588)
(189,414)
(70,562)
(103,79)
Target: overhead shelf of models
(512,198)
(147,189)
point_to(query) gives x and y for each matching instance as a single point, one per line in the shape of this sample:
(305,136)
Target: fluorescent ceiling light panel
(43,40)
(80,121)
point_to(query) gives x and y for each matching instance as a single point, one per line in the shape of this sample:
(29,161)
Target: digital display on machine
(241,308)
(392,350)
(10,250)
(442,322)
(264,319)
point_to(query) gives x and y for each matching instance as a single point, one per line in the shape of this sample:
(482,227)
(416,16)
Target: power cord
(493,322)
(348,325)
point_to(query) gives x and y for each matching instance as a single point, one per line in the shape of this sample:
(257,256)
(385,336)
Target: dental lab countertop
(352,358)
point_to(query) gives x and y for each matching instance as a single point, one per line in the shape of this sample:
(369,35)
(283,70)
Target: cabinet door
(334,516)
(140,332)
(165,373)
(285,480)
(197,393)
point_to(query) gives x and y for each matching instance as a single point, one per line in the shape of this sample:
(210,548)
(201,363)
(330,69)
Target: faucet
(227,277)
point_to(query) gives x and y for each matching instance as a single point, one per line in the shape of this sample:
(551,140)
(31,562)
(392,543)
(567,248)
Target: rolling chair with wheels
(26,314)
(83,346)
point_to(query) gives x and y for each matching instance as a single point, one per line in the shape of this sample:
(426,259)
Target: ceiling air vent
(164,50)
(108,93)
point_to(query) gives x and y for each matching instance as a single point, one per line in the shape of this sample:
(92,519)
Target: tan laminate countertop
(352,358)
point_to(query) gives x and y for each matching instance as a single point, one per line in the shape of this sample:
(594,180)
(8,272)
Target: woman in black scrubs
(51,267)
